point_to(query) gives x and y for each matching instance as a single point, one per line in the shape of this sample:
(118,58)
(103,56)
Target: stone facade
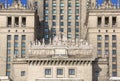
(59,54)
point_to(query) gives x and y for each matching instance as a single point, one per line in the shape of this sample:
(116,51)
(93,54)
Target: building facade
(43,41)
(16,30)
(61,60)
(66,16)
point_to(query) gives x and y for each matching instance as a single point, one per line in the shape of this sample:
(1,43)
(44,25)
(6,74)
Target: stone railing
(59,79)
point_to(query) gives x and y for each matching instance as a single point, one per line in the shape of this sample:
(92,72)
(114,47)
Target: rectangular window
(106,44)
(76,35)
(114,52)
(69,36)
(23,37)
(9,23)
(16,21)
(69,4)
(8,59)
(8,37)
(77,17)
(23,73)
(8,44)
(114,74)
(77,11)
(61,23)
(113,21)
(23,44)
(46,11)
(106,20)
(61,4)
(8,73)
(8,51)
(114,59)
(16,44)
(69,11)
(106,52)
(69,24)
(62,29)
(47,71)
(23,21)
(77,23)
(59,71)
(71,71)
(54,17)
(46,4)
(114,66)
(61,11)
(53,29)
(69,29)
(106,37)
(69,17)
(113,45)
(99,45)
(16,51)
(99,52)
(54,4)
(76,29)
(99,37)
(99,21)
(23,51)
(16,37)
(8,66)
(113,37)
(61,17)
(54,11)
(54,23)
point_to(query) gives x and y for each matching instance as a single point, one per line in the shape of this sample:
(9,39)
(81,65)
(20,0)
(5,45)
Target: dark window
(99,37)
(23,37)
(22,73)
(113,52)
(113,20)
(69,30)
(16,37)
(113,44)
(61,24)
(54,17)
(16,21)
(61,29)
(106,44)
(106,37)
(114,66)
(9,23)
(106,20)
(59,71)
(23,21)
(113,37)
(99,45)
(71,71)
(114,73)
(99,20)
(9,37)
(54,23)
(47,71)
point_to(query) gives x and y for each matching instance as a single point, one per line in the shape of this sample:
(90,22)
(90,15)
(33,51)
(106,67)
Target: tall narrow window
(99,21)
(9,23)
(23,37)
(106,20)
(113,21)
(23,21)
(16,21)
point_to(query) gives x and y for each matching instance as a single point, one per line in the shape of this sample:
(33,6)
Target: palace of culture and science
(60,40)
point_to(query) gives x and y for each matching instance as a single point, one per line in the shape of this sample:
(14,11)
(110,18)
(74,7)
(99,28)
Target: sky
(10,1)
